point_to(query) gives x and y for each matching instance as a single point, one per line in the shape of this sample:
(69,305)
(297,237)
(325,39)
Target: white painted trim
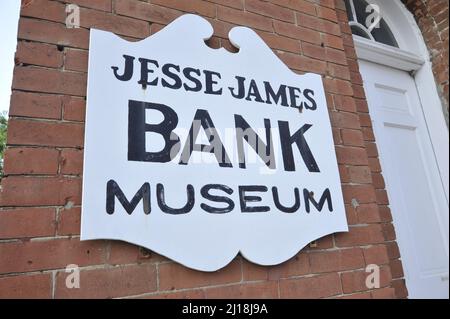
(412,56)
(386,55)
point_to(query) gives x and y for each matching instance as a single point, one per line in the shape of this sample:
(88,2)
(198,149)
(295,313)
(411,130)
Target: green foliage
(3,129)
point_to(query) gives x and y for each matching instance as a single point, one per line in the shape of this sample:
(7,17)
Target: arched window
(366,21)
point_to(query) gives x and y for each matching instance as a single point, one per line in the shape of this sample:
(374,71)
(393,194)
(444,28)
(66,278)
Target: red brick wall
(432,19)
(41,193)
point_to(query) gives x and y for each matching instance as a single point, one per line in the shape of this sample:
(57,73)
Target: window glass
(357,12)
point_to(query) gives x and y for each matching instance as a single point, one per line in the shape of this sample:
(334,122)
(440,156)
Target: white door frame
(413,57)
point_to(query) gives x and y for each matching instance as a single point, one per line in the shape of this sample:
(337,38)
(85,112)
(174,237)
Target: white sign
(199,154)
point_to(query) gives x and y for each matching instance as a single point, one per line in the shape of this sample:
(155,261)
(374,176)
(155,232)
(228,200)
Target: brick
(396,268)
(24,160)
(352,218)
(193,6)
(389,232)
(39,191)
(314,51)
(184,294)
(336,56)
(296,266)
(302,63)
(361,235)
(27,222)
(317,24)
(325,242)
(296,32)
(300,6)
(360,174)
(383,293)
(35,105)
(345,120)
(49,254)
(71,162)
(119,281)
(69,222)
(342,72)
(333,41)
(51,32)
(337,260)
(400,288)
(38,54)
(261,290)
(377,255)
(280,42)
(74,108)
(368,213)
(76,60)
(374,164)
(174,276)
(320,286)
(49,81)
(146,11)
(351,155)
(270,10)
(352,137)
(114,23)
(378,181)
(25,132)
(382,197)
(326,13)
(342,102)
(104,5)
(356,280)
(238,4)
(360,295)
(393,250)
(125,253)
(253,272)
(338,86)
(44,9)
(244,18)
(26,287)
(385,214)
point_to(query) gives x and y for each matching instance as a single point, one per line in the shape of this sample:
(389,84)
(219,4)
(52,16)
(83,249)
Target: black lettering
(175,211)
(202,119)
(219,199)
(127,71)
(309,198)
(113,190)
(309,95)
(245,132)
(137,127)
(286,146)
(253,91)
(294,96)
(188,75)
(241,88)
(285,209)
(210,82)
(281,94)
(244,199)
(173,76)
(145,71)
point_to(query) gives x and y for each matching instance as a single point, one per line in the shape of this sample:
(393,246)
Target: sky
(9,17)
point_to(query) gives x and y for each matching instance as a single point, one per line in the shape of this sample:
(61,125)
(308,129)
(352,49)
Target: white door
(415,188)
